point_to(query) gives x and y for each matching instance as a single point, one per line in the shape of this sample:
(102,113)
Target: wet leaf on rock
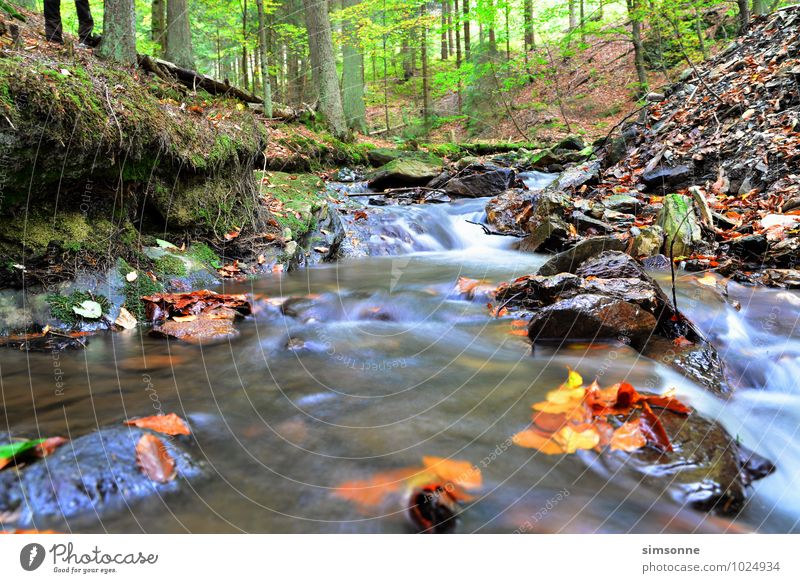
(169,424)
(575,417)
(154,460)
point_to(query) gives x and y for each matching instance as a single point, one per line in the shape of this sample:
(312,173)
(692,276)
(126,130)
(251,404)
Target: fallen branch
(488,231)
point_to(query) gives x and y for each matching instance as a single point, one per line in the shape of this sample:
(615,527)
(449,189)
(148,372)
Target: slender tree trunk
(245,76)
(492,37)
(320,44)
(263,58)
(119,32)
(450,48)
(573,19)
(507,11)
(426,91)
(635,15)
(759,7)
(353,75)
(466,30)
(444,30)
(158,13)
(527,10)
(179,35)
(583,22)
(744,15)
(385,73)
(458,54)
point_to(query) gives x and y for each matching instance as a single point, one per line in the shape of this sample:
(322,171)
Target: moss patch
(301,194)
(134,290)
(61,306)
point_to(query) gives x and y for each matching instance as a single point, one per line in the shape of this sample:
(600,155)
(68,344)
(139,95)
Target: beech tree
(179,35)
(119,32)
(323,65)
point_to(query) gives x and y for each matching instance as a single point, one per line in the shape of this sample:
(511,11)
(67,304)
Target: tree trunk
(528,25)
(759,7)
(264,58)
(450,48)
(466,30)
(573,19)
(119,32)
(744,15)
(458,54)
(355,112)
(323,61)
(507,10)
(426,91)
(635,15)
(408,59)
(179,35)
(245,82)
(492,37)
(159,21)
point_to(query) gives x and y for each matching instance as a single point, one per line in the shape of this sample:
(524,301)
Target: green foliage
(61,306)
(169,265)
(204,254)
(134,290)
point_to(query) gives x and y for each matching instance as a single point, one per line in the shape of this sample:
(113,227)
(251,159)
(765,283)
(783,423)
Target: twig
(507,108)
(505,303)
(114,115)
(489,231)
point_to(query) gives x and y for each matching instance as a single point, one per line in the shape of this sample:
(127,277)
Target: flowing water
(378,363)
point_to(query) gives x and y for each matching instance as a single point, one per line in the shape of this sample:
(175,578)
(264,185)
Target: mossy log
(194,80)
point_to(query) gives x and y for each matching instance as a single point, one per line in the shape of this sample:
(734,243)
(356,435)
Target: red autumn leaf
(653,430)
(169,424)
(628,437)
(154,460)
(682,342)
(49,445)
(232,234)
(360,216)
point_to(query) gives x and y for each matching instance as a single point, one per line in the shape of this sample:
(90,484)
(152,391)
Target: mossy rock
(404,172)
(381,156)
(303,194)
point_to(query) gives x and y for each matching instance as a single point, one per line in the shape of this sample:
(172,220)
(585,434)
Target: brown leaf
(169,424)
(154,459)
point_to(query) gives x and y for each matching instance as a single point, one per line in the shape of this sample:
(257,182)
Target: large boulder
(404,172)
(572,258)
(93,475)
(481,180)
(592,317)
(680,225)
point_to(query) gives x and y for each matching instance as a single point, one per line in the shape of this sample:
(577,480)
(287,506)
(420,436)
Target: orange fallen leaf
(50,445)
(169,424)
(628,437)
(460,473)
(154,460)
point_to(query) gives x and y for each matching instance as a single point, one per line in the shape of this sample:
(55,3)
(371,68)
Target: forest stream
(379,362)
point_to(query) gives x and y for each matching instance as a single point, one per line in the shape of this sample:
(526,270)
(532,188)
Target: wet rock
(348,175)
(656,263)
(49,342)
(481,180)
(569,260)
(203,329)
(584,223)
(571,143)
(503,211)
(618,218)
(680,224)
(703,470)
(624,203)
(787,278)
(578,175)
(665,178)
(648,241)
(592,317)
(96,473)
(611,264)
(701,203)
(748,247)
(436,196)
(547,234)
(404,172)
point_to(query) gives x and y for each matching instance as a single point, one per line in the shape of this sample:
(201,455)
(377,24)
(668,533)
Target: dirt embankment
(98,160)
